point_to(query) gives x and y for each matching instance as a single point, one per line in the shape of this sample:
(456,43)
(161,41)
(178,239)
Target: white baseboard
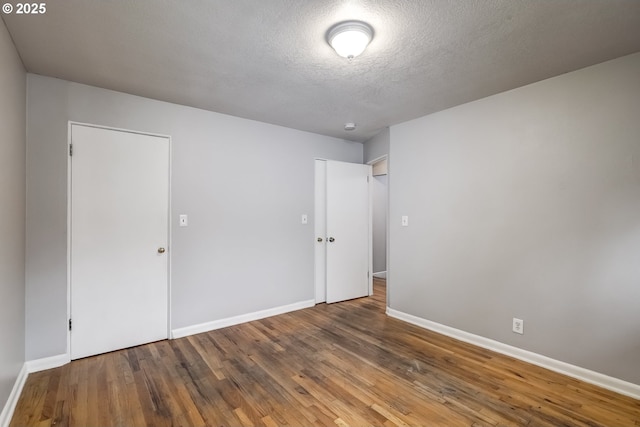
(45,363)
(12,401)
(586,375)
(236,320)
(380,274)
(29,367)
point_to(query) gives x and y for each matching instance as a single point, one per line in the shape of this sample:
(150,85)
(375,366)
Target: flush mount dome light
(350,38)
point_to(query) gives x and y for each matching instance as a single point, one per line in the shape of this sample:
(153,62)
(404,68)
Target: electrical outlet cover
(518,326)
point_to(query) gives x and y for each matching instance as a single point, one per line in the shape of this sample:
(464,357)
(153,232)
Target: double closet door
(343,231)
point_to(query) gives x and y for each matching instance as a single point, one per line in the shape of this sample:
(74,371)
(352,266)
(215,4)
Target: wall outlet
(518,326)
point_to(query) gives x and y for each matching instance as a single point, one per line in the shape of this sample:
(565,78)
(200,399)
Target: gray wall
(380,205)
(377,146)
(12,213)
(244,185)
(527,204)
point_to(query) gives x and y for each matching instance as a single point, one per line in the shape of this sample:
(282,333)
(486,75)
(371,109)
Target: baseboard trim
(583,374)
(236,320)
(380,274)
(29,367)
(12,401)
(45,363)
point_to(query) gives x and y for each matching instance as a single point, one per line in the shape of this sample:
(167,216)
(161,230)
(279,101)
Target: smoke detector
(349,126)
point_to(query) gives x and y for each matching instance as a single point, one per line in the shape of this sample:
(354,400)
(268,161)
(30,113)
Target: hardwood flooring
(345,364)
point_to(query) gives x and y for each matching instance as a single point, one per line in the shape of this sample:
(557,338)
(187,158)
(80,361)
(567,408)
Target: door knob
(161,250)
(331,239)
(320,239)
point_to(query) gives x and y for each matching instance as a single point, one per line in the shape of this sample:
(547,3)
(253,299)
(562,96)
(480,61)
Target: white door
(119,237)
(348,231)
(320,228)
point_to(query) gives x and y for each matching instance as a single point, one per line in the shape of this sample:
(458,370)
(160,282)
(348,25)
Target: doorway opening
(379,214)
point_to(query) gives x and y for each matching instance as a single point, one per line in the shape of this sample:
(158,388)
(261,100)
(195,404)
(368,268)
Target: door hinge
(71,149)
(69,324)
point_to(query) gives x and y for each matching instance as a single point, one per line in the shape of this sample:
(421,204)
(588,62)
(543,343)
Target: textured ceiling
(267,60)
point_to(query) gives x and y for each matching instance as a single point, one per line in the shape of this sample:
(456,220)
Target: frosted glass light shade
(349,39)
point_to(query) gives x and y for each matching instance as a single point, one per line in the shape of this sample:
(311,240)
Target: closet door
(119,237)
(347,243)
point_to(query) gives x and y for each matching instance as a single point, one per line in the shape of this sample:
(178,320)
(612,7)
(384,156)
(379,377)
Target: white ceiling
(268,60)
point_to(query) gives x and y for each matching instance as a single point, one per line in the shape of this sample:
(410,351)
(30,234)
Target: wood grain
(345,364)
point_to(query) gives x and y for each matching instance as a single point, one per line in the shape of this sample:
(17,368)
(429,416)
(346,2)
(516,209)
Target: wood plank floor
(345,364)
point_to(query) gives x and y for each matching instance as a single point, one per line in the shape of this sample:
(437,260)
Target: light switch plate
(405,220)
(305,219)
(184,221)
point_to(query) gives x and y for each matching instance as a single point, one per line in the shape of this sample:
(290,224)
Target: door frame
(372,162)
(316,285)
(69,141)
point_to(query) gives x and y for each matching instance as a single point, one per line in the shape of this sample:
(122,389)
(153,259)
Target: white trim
(236,320)
(586,375)
(45,363)
(12,401)
(28,367)
(139,132)
(370,231)
(69,181)
(169,239)
(378,159)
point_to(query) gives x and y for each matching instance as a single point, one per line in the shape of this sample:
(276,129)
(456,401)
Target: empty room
(327,213)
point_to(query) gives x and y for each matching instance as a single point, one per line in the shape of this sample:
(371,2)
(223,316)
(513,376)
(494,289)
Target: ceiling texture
(268,60)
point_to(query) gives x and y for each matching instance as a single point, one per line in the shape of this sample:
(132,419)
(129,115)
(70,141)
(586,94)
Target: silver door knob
(331,239)
(320,239)
(161,250)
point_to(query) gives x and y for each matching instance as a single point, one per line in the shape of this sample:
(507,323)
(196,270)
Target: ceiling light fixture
(350,38)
